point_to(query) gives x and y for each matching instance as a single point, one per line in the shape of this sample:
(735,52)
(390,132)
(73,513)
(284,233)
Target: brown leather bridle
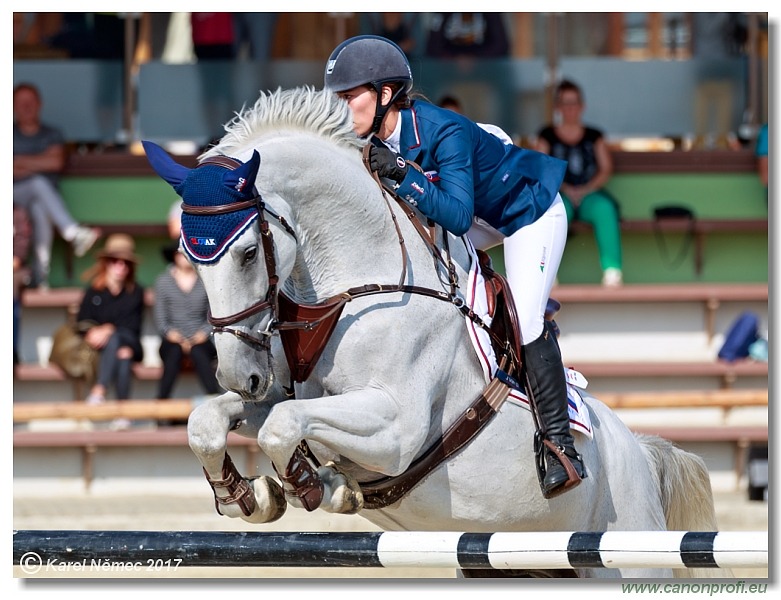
(269,303)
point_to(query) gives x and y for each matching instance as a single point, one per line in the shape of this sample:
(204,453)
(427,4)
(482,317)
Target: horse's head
(227,237)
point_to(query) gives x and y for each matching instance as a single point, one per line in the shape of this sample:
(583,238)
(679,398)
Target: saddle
(501,308)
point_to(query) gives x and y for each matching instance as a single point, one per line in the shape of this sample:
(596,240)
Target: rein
(329,310)
(304,341)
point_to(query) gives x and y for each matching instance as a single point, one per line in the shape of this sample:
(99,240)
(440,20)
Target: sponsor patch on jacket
(418,188)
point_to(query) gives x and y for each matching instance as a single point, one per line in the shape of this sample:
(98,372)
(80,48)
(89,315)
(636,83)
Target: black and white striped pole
(510,550)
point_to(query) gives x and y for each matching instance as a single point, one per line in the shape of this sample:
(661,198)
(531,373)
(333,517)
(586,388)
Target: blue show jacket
(469,172)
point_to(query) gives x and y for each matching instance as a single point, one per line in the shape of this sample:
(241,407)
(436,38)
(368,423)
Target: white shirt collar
(394,139)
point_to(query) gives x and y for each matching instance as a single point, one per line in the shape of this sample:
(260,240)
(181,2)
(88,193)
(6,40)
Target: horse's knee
(207,435)
(281,431)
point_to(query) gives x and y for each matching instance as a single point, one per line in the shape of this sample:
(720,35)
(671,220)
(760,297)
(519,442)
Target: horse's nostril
(253,384)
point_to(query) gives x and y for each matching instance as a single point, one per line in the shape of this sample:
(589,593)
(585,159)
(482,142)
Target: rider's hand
(387,163)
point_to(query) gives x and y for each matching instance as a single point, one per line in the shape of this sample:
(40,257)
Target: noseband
(222,324)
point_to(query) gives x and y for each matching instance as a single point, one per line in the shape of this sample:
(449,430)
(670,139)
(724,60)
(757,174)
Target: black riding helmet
(369,60)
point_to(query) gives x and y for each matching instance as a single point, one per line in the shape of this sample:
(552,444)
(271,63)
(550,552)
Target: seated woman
(180,311)
(589,167)
(110,316)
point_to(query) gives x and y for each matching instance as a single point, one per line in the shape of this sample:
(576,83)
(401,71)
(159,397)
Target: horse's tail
(685,491)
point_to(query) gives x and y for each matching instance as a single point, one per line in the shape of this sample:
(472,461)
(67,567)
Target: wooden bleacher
(91,440)
(727,372)
(711,295)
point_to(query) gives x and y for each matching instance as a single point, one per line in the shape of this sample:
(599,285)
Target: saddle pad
(476,299)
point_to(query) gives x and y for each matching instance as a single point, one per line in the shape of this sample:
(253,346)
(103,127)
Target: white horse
(398,369)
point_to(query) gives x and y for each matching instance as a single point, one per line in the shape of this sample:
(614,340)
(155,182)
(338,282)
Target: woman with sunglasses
(110,316)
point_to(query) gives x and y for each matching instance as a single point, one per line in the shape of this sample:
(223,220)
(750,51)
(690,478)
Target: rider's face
(362,101)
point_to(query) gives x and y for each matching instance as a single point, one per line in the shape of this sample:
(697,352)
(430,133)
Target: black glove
(387,163)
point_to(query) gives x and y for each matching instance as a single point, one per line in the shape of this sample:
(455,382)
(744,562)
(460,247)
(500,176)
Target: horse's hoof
(346,495)
(270,499)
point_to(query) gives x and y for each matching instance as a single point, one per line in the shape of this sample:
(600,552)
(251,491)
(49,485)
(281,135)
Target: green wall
(711,196)
(727,257)
(115,200)
(118,199)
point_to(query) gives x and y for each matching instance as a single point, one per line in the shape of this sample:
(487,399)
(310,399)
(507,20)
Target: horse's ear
(242,179)
(164,165)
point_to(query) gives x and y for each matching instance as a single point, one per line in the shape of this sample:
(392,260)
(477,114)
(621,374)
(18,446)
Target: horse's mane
(316,111)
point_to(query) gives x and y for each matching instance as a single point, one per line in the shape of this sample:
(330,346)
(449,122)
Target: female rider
(473,184)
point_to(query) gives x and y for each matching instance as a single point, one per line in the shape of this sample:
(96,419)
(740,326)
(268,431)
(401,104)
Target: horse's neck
(346,233)
(346,230)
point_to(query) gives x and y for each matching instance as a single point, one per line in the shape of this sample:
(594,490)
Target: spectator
(110,317)
(475,35)
(256,29)
(39,157)
(397,27)
(180,312)
(761,152)
(90,35)
(175,220)
(213,35)
(22,238)
(589,167)
(451,103)
(717,39)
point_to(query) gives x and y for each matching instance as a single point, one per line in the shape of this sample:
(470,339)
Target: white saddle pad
(475,297)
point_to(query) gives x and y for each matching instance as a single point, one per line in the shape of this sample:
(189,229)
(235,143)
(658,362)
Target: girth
(384,492)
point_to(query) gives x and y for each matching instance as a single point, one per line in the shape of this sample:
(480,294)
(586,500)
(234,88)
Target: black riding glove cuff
(387,163)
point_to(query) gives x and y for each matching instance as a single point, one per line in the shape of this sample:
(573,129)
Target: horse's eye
(250,254)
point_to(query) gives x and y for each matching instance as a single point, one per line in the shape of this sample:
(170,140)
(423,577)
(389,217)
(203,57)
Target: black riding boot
(542,360)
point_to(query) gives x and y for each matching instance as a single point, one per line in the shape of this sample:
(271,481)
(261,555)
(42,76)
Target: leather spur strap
(386,491)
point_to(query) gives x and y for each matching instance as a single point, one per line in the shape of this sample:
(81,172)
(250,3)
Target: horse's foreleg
(369,427)
(258,500)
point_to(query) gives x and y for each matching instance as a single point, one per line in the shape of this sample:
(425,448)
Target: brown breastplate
(304,345)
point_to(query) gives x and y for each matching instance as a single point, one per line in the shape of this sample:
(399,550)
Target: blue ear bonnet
(218,181)
(206,238)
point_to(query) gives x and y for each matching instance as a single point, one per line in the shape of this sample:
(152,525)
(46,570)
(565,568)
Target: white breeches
(532,256)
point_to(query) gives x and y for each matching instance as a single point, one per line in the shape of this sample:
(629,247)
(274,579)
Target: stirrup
(561,454)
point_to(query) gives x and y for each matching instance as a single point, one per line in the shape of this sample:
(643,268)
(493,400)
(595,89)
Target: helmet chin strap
(381,110)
